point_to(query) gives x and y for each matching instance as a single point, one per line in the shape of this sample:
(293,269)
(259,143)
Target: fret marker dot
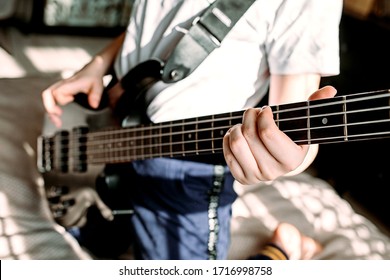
(324,121)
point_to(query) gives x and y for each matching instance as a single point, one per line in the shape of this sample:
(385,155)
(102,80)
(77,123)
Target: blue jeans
(171,200)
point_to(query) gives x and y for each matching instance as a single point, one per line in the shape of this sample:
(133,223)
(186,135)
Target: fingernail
(94,102)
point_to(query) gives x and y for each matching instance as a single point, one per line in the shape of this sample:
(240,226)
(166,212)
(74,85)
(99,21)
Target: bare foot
(296,245)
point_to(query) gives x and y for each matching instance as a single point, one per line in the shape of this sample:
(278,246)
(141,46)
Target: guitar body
(122,105)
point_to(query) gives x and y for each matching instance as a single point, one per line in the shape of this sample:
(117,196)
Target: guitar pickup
(53,152)
(79,149)
(44,158)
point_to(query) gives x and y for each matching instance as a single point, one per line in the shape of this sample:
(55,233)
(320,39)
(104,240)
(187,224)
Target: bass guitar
(353,117)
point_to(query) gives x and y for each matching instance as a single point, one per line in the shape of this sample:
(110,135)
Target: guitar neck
(340,119)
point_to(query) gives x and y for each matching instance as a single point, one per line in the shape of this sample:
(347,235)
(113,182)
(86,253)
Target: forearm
(104,60)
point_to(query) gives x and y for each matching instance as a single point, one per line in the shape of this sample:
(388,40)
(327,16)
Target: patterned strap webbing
(213,211)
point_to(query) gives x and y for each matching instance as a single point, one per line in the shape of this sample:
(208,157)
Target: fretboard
(340,119)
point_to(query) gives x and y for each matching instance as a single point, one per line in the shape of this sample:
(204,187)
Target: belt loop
(214,193)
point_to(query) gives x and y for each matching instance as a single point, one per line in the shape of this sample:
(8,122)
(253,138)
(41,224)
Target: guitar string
(307,106)
(99,156)
(221,129)
(187,143)
(113,157)
(179,123)
(155,127)
(124,131)
(175,123)
(112,151)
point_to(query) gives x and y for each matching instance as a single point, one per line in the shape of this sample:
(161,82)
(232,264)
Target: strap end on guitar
(204,36)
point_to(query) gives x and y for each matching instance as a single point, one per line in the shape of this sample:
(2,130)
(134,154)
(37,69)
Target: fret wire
(160,141)
(196,136)
(212,134)
(182,138)
(140,138)
(170,140)
(308,123)
(345,119)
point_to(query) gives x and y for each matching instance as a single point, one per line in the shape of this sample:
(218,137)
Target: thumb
(324,92)
(95,95)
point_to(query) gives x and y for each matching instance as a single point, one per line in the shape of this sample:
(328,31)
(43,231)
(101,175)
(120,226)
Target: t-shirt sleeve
(304,38)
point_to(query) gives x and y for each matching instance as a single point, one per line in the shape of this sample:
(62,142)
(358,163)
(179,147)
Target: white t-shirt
(274,36)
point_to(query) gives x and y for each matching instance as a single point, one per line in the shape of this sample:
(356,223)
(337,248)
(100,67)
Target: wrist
(307,161)
(98,66)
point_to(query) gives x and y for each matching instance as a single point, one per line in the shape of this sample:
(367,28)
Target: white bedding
(315,208)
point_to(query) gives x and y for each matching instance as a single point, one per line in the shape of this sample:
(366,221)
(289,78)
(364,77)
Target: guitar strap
(214,195)
(204,36)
